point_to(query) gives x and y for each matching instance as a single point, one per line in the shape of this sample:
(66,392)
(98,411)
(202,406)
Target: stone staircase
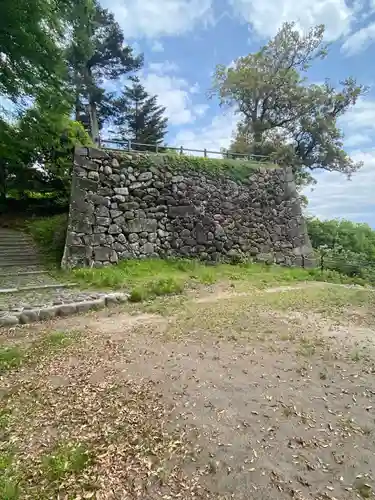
(29,292)
(18,249)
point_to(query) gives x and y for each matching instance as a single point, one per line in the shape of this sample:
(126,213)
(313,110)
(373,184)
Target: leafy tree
(281,114)
(343,235)
(97,54)
(37,150)
(31,53)
(139,117)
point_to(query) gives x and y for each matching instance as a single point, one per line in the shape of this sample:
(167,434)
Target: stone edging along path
(46,313)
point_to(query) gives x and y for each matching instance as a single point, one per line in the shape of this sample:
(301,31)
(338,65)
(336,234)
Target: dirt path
(215,396)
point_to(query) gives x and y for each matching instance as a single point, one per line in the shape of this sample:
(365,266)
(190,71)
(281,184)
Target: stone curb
(62,310)
(37,287)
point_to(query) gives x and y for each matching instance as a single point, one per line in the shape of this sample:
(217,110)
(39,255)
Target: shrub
(50,233)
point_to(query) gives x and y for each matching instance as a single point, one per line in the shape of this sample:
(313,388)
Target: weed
(288,411)
(65,460)
(10,357)
(57,339)
(158,288)
(9,487)
(356,355)
(363,488)
(4,418)
(138,295)
(165,286)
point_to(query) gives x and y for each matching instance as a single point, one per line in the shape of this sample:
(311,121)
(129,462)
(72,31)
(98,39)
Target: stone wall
(126,206)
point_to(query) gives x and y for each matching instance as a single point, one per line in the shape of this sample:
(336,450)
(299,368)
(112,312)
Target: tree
(31,53)
(347,235)
(281,114)
(37,149)
(139,117)
(97,54)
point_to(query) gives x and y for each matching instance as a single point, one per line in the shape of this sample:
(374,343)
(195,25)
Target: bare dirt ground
(221,393)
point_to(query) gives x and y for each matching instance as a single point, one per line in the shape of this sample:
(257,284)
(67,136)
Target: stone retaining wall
(131,206)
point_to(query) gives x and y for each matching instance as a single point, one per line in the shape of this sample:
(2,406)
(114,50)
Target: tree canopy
(281,114)
(139,117)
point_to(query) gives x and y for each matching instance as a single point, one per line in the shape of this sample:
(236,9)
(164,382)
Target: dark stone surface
(135,211)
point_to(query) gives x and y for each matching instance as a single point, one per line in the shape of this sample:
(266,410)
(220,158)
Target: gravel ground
(220,395)
(36,299)
(16,280)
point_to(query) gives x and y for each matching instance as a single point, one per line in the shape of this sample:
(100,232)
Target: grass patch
(166,286)
(9,483)
(155,277)
(65,460)
(4,418)
(13,357)
(10,358)
(237,169)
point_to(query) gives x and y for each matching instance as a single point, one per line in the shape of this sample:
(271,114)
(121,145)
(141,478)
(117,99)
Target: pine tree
(139,117)
(97,54)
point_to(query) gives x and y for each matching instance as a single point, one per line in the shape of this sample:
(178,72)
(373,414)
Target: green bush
(50,233)
(156,288)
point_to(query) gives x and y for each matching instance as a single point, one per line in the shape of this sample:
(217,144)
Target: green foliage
(30,32)
(358,238)
(154,277)
(238,170)
(96,54)
(50,234)
(139,117)
(9,487)
(67,459)
(344,246)
(10,357)
(281,114)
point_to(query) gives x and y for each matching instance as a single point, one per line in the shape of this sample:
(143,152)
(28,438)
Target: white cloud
(360,40)
(173,93)
(153,18)
(360,118)
(337,197)
(157,46)
(266,17)
(213,137)
(353,141)
(163,67)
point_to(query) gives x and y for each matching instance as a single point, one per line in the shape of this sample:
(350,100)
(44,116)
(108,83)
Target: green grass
(10,358)
(66,459)
(9,484)
(13,357)
(155,277)
(4,418)
(237,169)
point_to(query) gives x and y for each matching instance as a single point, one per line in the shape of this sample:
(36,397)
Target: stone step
(23,272)
(19,280)
(13,239)
(7,241)
(19,262)
(4,252)
(30,288)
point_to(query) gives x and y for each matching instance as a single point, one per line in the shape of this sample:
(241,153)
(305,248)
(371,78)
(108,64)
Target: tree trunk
(258,135)
(94,125)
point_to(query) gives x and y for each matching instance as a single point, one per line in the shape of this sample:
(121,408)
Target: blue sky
(183,40)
